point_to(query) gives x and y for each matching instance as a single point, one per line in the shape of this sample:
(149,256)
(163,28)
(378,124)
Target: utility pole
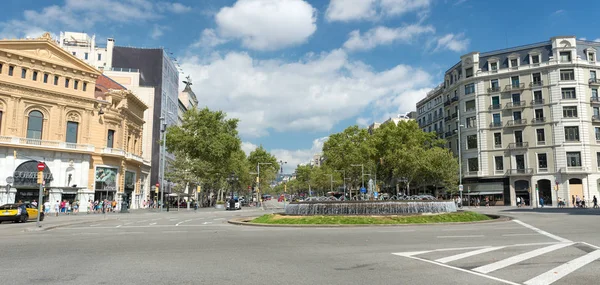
(344,172)
(163,129)
(459,156)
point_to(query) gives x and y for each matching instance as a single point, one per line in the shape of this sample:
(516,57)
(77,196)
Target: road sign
(41,166)
(460,187)
(363,190)
(375,194)
(10,180)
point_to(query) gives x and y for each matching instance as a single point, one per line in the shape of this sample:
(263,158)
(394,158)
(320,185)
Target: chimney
(110,44)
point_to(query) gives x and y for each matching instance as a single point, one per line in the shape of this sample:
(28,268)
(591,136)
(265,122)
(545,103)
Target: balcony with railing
(454,99)
(536,83)
(448,134)
(470,173)
(594,81)
(536,102)
(455,115)
(58,145)
(515,105)
(518,145)
(574,169)
(495,107)
(596,119)
(595,100)
(446,119)
(113,151)
(494,89)
(520,172)
(496,125)
(134,157)
(447,103)
(538,120)
(515,86)
(516,123)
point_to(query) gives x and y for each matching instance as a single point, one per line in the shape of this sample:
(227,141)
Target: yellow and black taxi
(19,213)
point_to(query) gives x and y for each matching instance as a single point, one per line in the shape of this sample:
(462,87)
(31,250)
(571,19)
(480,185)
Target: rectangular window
(535,59)
(1,120)
(539,113)
(515,81)
(34,76)
(574,159)
(499,161)
(495,85)
(570,112)
(498,140)
(496,102)
(541,136)
(1,68)
(23,73)
(84,86)
(472,142)
(514,62)
(593,74)
(470,105)
(542,161)
(75,84)
(595,93)
(473,164)
(567,74)
(568,93)
(85,55)
(597,132)
(572,134)
(72,129)
(66,82)
(591,57)
(565,56)
(55,80)
(99,56)
(536,79)
(537,97)
(494,66)
(496,120)
(469,72)
(45,77)
(598,159)
(74,53)
(469,88)
(472,122)
(110,139)
(517,116)
(11,70)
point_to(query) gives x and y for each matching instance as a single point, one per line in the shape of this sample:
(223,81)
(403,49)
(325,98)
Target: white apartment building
(529,120)
(84,47)
(406,117)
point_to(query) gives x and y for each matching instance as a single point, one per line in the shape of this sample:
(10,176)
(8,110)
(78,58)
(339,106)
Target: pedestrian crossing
(529,264)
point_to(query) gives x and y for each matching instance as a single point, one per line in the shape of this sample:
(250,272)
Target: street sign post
(10,180)
(40,167)
(363,190)
(460,189)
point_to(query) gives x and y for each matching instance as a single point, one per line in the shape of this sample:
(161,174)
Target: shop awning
(484,193)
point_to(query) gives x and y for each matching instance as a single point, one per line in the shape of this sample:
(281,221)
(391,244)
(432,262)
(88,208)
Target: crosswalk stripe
(518,258)
(467,254)
(563,270)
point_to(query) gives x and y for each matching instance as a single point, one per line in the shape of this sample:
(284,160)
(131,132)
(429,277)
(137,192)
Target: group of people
(60,207)
(580,202)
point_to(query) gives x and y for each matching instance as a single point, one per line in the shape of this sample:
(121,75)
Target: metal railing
(538,120)
(573,169)
(496,125)
(538,102)
(517,145)
(45,143)
(518,104)
(455,115)
(594,81)
(595,118)
(115,151)
(494,89)
(515,123)
(495,107)
(520,171)
(595,99)
(515,86)
(536,83)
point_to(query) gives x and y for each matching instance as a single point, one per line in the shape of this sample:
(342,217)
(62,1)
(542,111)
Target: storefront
(105,183)
(25,181)
(129,187)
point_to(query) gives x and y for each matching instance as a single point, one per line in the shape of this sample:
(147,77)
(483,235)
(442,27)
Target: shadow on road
(570,211)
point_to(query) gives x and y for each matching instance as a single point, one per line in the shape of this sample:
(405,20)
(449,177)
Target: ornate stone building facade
(55,109)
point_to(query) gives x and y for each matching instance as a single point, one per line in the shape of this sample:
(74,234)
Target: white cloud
(459,2)
(299,156)
(83,15)
(582,39)
(312,94)
(267,24)
(558,12)
(351,10)
(176,8)
(158,31)
(384,36)
(248,147)
(209,39)
(453,42)
(597,40)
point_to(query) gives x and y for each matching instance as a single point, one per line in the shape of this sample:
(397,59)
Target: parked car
(236,205)
(19,213)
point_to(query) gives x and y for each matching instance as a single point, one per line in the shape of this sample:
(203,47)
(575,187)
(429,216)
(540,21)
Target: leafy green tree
(268,172)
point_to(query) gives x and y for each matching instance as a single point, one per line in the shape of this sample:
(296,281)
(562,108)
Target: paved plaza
(185,247)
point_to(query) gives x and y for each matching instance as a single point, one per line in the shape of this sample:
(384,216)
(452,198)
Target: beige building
(57,109)
(528,119)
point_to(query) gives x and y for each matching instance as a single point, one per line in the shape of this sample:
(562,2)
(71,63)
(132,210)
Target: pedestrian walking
(542,202)
(573,198)
(47,207)
(595,201)
(57,207)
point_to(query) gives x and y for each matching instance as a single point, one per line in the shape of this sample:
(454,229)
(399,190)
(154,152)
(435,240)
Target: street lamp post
(459,155)
(330,182)
(163,130)
(232,179)
(344,172)
(258,181)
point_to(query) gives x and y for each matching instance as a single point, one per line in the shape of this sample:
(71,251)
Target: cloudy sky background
(295,71)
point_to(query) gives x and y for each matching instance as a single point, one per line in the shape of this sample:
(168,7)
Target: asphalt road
(541,247)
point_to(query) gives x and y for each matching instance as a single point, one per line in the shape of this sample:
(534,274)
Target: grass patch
(370,220)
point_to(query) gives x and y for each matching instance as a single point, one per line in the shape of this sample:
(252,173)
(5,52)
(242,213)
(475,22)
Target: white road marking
(472,236)
(118,226)
(152,224)
(518,258)
(174,232)
(183,222)
(467,254)
(135,222)
(463,270)
(563,270)
(219,219)
(397,231)
(555,237)
(516,235)
(206,223)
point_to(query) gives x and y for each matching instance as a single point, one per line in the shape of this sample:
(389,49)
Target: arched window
(34,125)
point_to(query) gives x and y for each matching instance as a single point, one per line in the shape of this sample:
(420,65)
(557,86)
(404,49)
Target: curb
(245,222)
(51,227)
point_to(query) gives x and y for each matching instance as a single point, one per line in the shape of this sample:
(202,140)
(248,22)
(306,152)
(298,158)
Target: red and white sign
(41,166)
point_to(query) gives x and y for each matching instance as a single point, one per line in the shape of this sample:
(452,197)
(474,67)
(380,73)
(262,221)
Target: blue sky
(295,71)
